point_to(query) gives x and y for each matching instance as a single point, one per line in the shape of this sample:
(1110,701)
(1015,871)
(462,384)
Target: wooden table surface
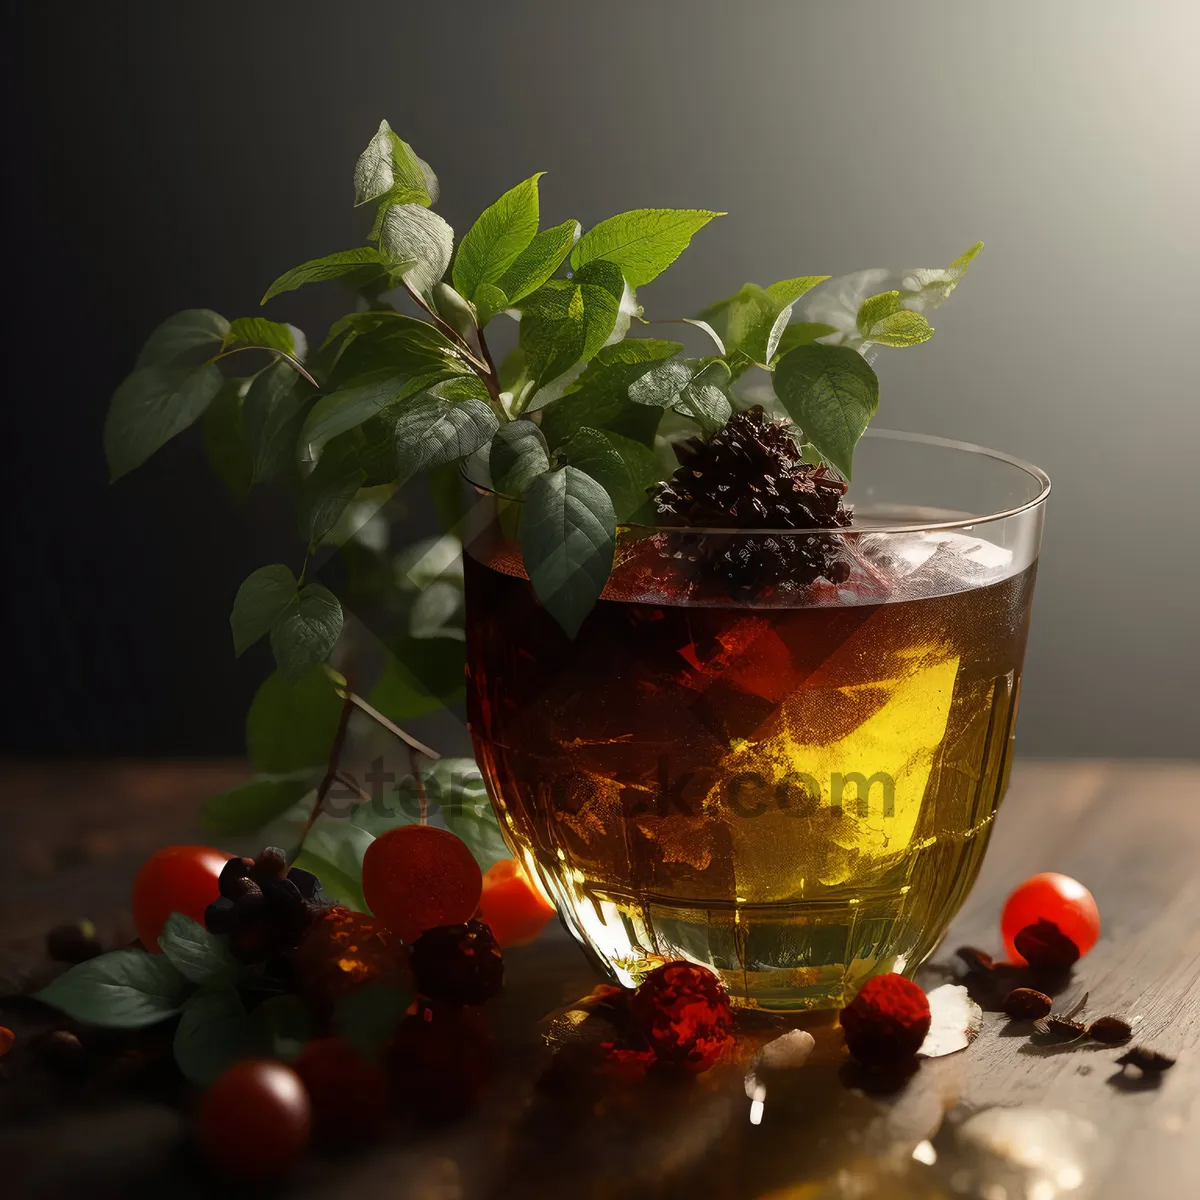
(73,836)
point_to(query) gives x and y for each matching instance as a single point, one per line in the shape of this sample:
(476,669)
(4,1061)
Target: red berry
(417,877)
(439,1060)
(512,905)
(351,1098)
(887,1021)
(176,879)
(342,951)
(684,1014)
(255,1119)
(1056,898)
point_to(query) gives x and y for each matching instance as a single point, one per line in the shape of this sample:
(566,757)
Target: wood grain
(1131,831)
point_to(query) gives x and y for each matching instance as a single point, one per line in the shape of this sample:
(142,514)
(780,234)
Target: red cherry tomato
(351,1098)
(511,904)
(255,1119)
(416,877)
(176,879)
(1051,897)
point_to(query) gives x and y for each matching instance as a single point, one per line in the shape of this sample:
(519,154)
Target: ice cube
(936,562)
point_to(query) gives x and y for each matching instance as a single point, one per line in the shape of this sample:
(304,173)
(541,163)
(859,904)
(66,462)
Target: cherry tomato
(255,1119)
(1051,897)
(512,905)
(416,877)
(351,1098)
(176,879)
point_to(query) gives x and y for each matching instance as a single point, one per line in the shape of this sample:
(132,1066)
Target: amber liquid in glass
(796,797)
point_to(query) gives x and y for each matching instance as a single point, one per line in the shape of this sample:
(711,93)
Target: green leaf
(473,820)
(368,1016)
(199,956)
(195,330)
(258,332)
(489,300)
(623,467)
(150,407)
(885,320)
(279,1027)
(305,632)
(333,851)
(567,321)
(831,393)
(638,350)
(330,266)
(329,489)
(802,333)
(662,384)
(567,539)
(292,722)
(538,261)
(438,428)
(350,406)
(518,455)
(602,401)
(496,240)
(412,234)
(249,806)
(642,242)
(126,989)
(259,603)
(212,1035)
(788,291)
(705,398)
(401,345)
(389,167)
(273,414)
(225,439)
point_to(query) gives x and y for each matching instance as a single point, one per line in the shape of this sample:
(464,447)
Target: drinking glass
(793,786)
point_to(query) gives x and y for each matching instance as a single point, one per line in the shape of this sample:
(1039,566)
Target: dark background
(170,155)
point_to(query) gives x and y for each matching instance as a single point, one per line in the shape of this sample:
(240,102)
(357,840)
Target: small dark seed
(976,960)
(1110,1030)
(1149,1062)
(1027,1004)
(75,942)
(1043,946)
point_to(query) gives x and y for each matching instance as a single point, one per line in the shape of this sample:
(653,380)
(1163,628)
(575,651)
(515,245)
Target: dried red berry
(1045,947)
(1027,1004)
(887,1021)
(684,1014)
(458,963)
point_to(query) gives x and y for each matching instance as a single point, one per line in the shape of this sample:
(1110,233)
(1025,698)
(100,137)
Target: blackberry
(264,908)
(461,964)
(749,476)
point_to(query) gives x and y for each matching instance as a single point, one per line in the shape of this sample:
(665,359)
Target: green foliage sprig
(572,422)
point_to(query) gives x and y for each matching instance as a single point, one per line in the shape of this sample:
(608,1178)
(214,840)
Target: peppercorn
(887,1021)
(74,942)
(683,1013)
(460,964)
(1045,947)
(1149,1062)
(1110,1030)
(1027,1004)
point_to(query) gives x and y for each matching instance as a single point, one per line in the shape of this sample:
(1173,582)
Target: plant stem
(445,326)
(331,772)
(419,784)
(374,713)
(492,378)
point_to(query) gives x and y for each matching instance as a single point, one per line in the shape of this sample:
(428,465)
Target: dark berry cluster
(265,906)
(749,476)
(460,964)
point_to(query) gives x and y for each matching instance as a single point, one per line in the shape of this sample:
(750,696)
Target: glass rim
(896,435)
